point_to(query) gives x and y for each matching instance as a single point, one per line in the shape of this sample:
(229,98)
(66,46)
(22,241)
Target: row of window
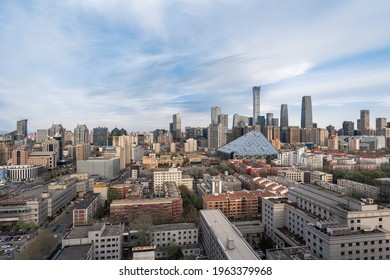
(365,243)
(174,234)
(365,251)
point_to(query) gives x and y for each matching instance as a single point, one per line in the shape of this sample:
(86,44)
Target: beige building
(47,159)
(367,191)
(297,175)
(162,176)
(321,176)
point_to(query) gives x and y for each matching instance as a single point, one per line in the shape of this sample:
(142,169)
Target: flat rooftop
(222,229)
(178,226)
(79,252)
(87,201)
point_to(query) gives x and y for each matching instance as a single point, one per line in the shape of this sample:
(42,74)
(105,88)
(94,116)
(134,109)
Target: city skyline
(134,65)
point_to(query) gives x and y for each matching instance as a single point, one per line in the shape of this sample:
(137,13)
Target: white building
(106,240)
(163,175)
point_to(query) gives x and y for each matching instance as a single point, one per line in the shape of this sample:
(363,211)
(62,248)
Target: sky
(133,64)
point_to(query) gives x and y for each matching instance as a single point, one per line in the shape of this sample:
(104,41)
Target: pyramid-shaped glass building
(252,145)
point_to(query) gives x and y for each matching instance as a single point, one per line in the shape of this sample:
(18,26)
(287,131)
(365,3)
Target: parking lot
(9,245)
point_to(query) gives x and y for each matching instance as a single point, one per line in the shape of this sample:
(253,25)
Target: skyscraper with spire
(256,105)
(306,113)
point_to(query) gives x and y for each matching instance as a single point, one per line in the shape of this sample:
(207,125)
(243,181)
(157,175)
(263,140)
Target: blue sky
(134,64)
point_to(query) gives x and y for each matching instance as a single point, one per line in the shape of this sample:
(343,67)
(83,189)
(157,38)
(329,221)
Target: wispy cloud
(135,63)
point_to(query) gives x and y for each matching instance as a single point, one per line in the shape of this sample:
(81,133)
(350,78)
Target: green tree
(112,195)
(40,247)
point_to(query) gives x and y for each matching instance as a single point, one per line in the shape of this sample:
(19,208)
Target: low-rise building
(321,176)
(85,212)
(220,239)
(105,239)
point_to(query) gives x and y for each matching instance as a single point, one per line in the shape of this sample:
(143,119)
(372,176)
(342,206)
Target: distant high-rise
(306,113)
(81,134)
(269,117)
(42,134)
(240,121)
(381,123)
(283,115)
(176,126)
(100,136)
(215,112)
(348,128)
(275,122)
(224,120)
(256,105)
(21,128)
(364,120)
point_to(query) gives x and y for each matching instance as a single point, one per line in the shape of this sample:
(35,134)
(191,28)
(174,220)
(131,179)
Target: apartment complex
(160,208)
(236,205)
(330,224)
(163,175)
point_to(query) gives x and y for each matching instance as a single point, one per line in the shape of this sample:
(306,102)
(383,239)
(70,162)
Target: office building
(306,113)
(21,128)
(256,105)
(275,122)
(269,117)
(162,176)
(81,134)
(364,120)
(240,121)
(104,239)
(348,128)
(220,239)
(42,134)
(216,136)
(100,136)
(106,168)
(215,112)
(22,173)
(284,116)
(176,126)
(223,119)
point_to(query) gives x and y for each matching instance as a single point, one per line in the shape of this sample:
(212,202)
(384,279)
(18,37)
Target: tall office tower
(269,118)
(283,122)
(381,123)
(57,128)
(224,120)
(81,134)
(283,115)
(176,126)
(256,105)
(240,121)
(100,136)
(348,128)
(215,112)
(262,121)
(21,128)
(216,136)
(306,113)
(42,134)
(275,122)
(364,120)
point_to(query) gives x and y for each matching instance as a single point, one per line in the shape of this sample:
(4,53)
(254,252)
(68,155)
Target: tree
(112,195)
(40,247)
(143,224)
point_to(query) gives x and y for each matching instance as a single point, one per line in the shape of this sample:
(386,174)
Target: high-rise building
(224,120)
(21,128)
(283,115)
(381,123)
(100,136)
(240,121)
(176,126)
(215,112)
(306,113)
(42,134)
(216,136)
(256,105)
(348,128)
(275,122)
(364,120)
(269,118)
(81,134)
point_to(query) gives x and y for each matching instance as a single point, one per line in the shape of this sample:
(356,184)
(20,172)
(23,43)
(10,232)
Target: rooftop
(87,201)
(177,226)
(79,252)
(222,229)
